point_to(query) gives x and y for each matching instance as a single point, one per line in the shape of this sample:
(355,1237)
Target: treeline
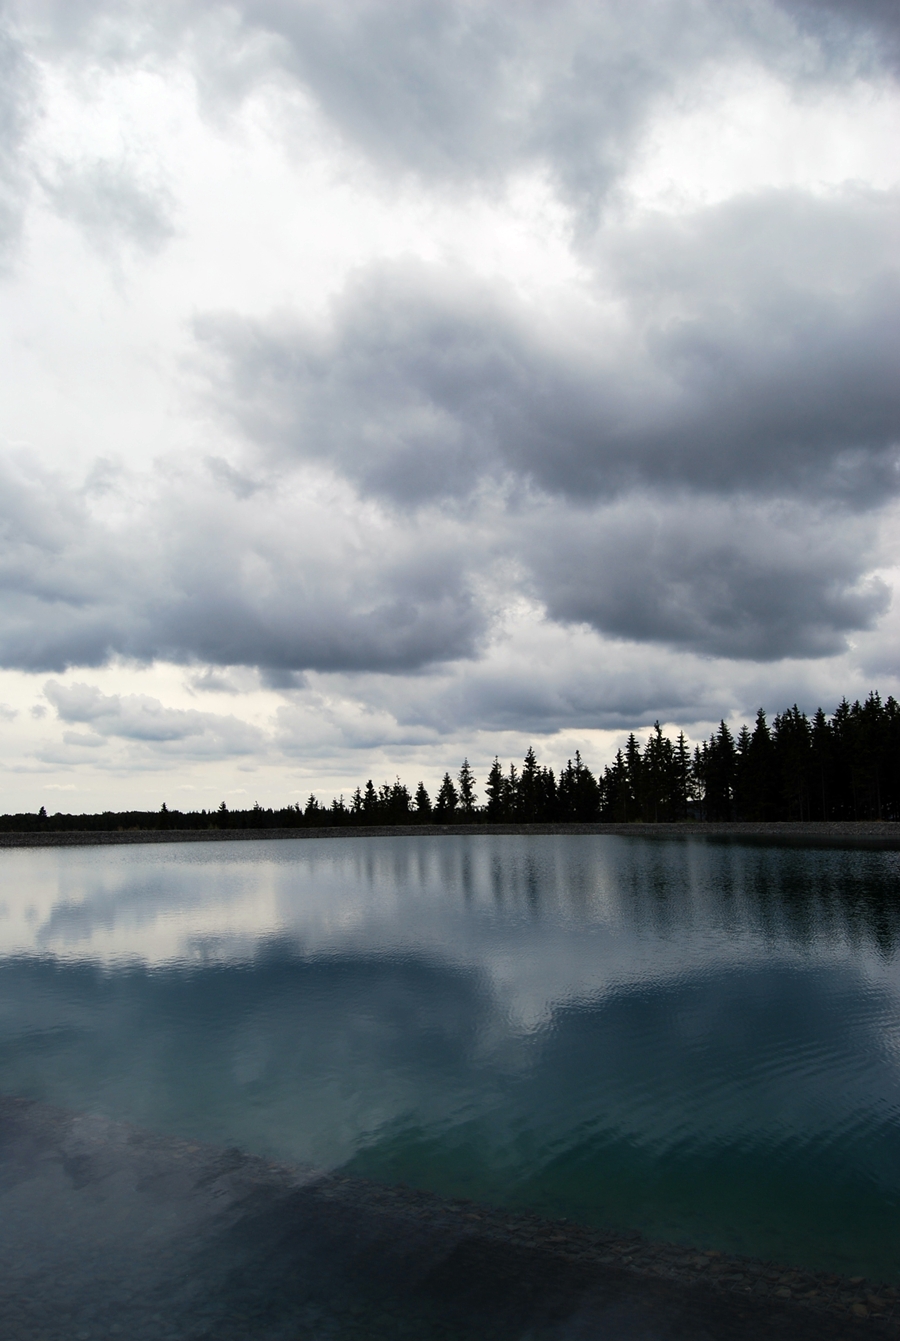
(842,767)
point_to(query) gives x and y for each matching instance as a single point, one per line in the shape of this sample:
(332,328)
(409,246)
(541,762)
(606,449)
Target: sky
(388,383)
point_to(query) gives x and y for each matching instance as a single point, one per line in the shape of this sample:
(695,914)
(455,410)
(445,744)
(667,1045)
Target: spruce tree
(423,803)
(447,799)
(633,779)
(399,803)
(529,799)
(511,794)
(494,788)
(370,802)
(761,782)
(466,789)
(683,795)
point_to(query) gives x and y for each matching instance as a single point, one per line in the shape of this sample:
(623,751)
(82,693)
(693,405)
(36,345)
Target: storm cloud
(445,365)
(191,573)
(754,347)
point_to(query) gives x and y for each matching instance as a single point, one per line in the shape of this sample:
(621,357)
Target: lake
(696,1039)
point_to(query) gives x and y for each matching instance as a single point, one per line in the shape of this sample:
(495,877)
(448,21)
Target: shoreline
(106,1224)
(849,833)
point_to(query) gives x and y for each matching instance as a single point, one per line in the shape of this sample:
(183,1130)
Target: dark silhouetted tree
(423,802)
(495,788)
(447,799)
(467,796)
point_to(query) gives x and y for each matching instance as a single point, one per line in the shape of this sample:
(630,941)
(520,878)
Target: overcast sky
(386,382)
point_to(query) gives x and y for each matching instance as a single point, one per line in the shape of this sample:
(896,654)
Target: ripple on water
(691,1040)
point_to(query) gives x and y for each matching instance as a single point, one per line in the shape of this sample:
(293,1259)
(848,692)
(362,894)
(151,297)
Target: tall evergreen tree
(370,802)
(760,783)
(578,795)
(792,742)
(617,803)
(423,803)
(399,804)
(684,794)
(821,760)
(529,798)
(494,788)
(721,770)
(467,795)
(447,799)
(658,782)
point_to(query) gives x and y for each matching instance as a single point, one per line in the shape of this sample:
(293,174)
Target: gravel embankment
(863,833)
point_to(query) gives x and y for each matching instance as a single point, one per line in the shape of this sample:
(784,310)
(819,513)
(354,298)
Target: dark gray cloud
(196,575)
(761,352)
(457,91)
(692,454)
(745,441)
(866,32)
(444,88)
(739,581)
(450,88)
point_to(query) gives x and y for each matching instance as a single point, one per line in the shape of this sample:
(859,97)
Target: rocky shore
(861,833)
(109,1231)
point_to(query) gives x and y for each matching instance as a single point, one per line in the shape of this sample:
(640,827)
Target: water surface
(694,1039)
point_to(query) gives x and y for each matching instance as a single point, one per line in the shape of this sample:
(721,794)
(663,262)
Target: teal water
(694,1039)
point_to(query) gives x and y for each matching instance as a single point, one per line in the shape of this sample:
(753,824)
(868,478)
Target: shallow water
(699,1040)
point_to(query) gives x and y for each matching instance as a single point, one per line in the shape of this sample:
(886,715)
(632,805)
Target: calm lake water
(696,1039)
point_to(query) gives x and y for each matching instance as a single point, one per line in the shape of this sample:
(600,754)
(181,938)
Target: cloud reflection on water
(649,1033)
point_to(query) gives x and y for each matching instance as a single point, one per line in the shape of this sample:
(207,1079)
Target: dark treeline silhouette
(843,767)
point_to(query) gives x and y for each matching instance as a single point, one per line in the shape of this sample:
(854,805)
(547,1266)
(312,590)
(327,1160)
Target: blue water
(698,1040)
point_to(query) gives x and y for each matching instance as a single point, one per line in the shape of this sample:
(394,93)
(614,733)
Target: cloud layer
(396,345)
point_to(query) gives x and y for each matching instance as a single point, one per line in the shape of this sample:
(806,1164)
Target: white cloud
(404,379)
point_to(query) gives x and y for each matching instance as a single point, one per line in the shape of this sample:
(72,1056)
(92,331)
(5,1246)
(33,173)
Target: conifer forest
(830,768)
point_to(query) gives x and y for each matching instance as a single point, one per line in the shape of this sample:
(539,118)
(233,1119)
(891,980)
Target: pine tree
(423,803)
(633,763)
(762,779)
(529,798)
(684,794)
(466,789)
(742,772)
(447,799)
(821,764)
(720,767)
(399,803)
(657,778)
(578,795)
(616,793)
(792,746)
(511,799)
(494,787)
(370,802)
(547,796)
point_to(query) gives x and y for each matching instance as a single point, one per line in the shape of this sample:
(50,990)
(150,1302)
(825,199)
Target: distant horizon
(843,765)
